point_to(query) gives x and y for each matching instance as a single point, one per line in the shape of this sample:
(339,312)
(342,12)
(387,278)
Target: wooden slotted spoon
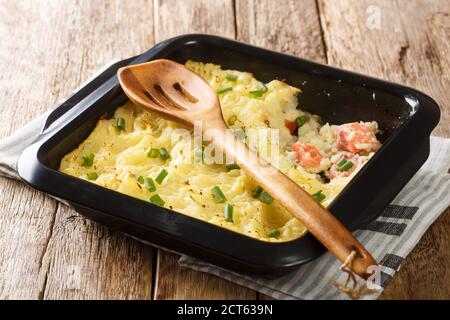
(178,94)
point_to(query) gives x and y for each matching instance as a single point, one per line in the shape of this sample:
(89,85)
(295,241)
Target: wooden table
(48,48)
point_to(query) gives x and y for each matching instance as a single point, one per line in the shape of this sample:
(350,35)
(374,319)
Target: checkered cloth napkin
(390,238)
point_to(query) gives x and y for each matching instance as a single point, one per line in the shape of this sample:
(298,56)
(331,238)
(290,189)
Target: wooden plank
(175,282)
(287,26)
(25,226)
(408,42)
(48,50)
(429,42)
(173,18)
(85,260)
(26,216)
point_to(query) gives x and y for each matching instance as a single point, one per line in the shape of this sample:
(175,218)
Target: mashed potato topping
(127,154)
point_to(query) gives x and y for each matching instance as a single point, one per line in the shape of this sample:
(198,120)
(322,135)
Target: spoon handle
(317,219)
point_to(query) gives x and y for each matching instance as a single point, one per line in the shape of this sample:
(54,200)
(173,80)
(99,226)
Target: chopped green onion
(161,176)
(275,233)
(341,163)
(139,179)
(92,175)
(300,121)
(120,124)
(153,153)
(149,184)
(344,165)
(257,192)
(224,89)
(232,120)
(228,212)
(258,92)
(218,194)
(266,198)
(156,199)
(232,166)
(240,134)
(319,196)
(231,77)
(164,154)
(88,159)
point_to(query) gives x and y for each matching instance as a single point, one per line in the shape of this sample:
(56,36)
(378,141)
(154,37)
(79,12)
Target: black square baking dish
(405,116)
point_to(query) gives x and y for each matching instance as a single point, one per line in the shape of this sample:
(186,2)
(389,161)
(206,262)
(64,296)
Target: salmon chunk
(356,137)
(307,156)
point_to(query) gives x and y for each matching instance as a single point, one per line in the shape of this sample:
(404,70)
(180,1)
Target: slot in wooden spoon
(178,94)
